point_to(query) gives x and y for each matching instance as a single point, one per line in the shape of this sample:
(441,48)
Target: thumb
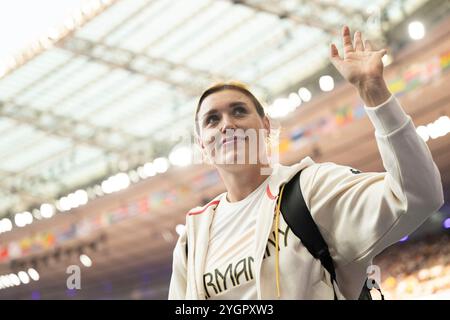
(382,52)
(334,55)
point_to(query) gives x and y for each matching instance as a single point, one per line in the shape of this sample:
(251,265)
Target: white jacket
(359,215)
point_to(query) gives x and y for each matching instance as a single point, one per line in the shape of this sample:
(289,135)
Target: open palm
(361,62)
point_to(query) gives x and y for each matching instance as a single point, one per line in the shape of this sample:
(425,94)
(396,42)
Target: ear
(199,141)
(266,124)
(201,145)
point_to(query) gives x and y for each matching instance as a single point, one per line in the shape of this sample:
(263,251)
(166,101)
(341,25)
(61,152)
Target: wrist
(373,92)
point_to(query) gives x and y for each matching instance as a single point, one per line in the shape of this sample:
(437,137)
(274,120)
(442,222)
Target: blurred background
(96,114)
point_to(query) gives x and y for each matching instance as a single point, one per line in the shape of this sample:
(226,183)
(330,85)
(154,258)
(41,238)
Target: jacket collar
(199,220)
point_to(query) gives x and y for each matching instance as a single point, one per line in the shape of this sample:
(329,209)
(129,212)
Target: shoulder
(202,209)
(327,170)
(323,178)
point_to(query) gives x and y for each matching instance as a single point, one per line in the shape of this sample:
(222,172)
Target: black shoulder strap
(297,216)
(299,219)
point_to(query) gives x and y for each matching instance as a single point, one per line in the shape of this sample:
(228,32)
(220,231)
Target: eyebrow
(230,105)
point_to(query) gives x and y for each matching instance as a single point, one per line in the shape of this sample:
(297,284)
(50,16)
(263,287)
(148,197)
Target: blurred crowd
(416,269)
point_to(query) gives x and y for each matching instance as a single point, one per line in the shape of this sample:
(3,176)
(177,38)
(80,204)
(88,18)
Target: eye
(211,119)
(239,111)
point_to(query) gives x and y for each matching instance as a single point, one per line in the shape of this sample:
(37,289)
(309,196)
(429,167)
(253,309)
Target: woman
(238,246)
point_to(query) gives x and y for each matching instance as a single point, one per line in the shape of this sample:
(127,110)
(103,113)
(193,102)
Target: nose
(227,124)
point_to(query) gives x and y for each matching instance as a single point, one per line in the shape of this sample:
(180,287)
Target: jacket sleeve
(178,281)
(360,214)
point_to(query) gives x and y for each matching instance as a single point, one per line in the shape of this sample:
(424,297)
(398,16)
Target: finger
(358,41)
(334,51)
(382,52)
(348,47)
(368,45)
(334,54)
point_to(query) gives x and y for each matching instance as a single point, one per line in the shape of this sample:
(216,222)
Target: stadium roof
(115,87)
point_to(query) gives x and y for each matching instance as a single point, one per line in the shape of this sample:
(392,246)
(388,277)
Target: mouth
(229,140)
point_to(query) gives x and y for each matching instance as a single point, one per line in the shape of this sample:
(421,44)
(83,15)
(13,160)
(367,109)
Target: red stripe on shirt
(201,211)
(269,194)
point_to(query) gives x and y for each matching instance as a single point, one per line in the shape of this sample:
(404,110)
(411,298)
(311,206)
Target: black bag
(298,218)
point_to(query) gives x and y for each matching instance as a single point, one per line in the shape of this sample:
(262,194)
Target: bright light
(6,281)
(40,16)
(115,183)
(423,133)
(65,204)
(387,59)
(5,225)
(446,223)
(304,94)
(22,219)
(33,274)
(141,172)
(107,186)
(180,229)
(81,197)
(281,107)
(434,130)
(47,210)
(416,30)
(149,170)
(181,156)
(326,83)
(14,279)
(123,180)
(28,217)
(443,124)
(73,200)
(23,276)
(161,165)
(85,260)
(404,239)
(439,128)
(294,100)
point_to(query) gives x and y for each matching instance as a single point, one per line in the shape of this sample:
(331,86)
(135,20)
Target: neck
(240,183)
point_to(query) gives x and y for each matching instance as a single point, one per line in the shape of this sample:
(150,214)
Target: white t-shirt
(229,268)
